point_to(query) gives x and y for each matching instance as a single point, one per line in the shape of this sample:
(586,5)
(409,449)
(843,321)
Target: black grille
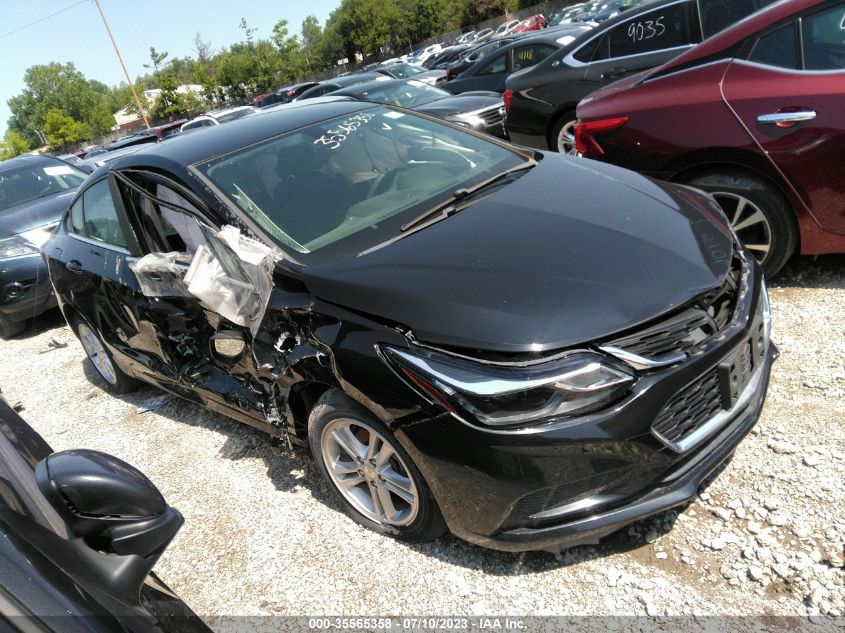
(690,330)
(682,333)
(690,408)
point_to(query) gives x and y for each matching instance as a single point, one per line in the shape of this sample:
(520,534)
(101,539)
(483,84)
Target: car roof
(217,113)
(24,160)
(209,142)
(737,32)
(541,36)
(354,78)
(354,90)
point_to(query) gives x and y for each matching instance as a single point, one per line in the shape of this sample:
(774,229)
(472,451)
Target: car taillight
(506,97)
(585,141)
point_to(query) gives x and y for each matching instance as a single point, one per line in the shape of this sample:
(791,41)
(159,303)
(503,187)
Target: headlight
(496,395)
(468,120)
(16,246)
(39,236)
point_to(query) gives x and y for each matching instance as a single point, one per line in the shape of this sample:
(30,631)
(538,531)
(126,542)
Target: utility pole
(122,65)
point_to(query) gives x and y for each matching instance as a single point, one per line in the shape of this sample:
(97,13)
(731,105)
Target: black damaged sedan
(527,349)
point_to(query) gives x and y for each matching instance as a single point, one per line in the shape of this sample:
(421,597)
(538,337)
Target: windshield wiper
(447,207)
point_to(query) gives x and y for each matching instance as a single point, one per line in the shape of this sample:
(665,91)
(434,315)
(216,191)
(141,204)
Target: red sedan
(533,23)
(753,115)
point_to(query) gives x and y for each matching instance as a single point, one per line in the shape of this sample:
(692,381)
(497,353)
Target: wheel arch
(748,169)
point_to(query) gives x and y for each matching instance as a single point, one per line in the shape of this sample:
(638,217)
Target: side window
(778,48)
(100,215)
(662,29)
(495,66)
(823,35)
(717,15)
(586,53)
(526,56)
(77,222)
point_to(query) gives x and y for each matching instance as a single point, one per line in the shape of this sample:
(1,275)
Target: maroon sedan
(753,115)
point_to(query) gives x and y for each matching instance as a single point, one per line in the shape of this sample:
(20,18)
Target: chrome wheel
(566,139)
(748,221)
(97,354)
(369,473)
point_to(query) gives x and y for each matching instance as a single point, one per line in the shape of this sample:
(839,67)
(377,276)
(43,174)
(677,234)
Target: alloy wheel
(97,354)
(748,221)
(566,139)
(369,473)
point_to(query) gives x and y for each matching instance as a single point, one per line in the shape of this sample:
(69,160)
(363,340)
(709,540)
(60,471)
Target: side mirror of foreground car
(113,508)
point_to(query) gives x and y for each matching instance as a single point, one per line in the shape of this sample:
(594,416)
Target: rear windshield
(32,182)
(329,191)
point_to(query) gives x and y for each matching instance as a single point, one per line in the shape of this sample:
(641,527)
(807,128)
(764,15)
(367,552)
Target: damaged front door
(205,293)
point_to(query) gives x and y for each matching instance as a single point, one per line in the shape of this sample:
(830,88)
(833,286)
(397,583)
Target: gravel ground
(264,536)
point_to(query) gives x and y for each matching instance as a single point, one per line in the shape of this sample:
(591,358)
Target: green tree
(475,11)
(156,59)
(63,130)
(248,32)
(292,60)
(312,35)
(13,144)
(61,87)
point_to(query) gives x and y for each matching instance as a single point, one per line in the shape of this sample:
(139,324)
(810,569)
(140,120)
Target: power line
(46,17)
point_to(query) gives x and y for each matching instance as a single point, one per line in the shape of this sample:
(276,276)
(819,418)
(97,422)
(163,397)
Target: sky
(77,34)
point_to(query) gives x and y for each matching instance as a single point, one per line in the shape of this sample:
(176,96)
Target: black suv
(541,100)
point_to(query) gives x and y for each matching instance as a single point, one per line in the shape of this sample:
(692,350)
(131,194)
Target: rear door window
(717,15)
(778,48)
(526,56)
(823,35)
(668,27)
(495,66)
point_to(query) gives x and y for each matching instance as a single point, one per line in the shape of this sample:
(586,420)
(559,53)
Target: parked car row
(770,90)
(541,100)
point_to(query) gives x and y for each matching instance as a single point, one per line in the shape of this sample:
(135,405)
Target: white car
(506,28)
(220,116)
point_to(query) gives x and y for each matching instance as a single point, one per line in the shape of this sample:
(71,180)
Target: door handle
(786,119)
(613,73)
(74,266)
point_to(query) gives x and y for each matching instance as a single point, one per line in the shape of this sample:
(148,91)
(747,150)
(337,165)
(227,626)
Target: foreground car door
(206,357)
(788,95)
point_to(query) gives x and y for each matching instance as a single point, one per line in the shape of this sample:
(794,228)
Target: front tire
(374,478)
(759,214)
(116,381)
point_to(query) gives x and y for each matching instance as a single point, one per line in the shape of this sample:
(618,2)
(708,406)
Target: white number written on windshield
(647,29)
(334,137)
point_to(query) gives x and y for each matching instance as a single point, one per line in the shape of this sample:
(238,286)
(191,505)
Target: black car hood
(572,251)
(460,103)
(35,213)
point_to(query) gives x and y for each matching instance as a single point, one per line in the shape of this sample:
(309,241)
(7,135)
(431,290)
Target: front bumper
(675,489)
(560,486)
(25,289)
